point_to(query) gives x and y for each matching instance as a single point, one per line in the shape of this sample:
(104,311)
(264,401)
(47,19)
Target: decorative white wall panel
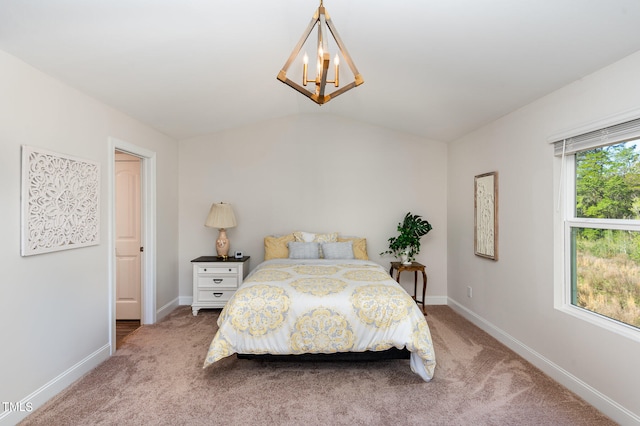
(60,202)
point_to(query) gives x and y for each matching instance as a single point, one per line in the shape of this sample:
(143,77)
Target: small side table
(414,267)
(215,280)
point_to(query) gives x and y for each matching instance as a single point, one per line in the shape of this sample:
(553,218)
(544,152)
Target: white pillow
(308,237)
(299,250)
(342,250)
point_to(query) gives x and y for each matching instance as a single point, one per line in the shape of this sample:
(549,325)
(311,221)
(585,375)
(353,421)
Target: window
(602,225)
(604,232)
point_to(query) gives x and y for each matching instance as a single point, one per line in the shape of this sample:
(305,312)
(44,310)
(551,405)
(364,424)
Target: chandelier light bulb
(305,61)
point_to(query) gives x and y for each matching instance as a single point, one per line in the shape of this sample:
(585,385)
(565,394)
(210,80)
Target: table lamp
(221,216)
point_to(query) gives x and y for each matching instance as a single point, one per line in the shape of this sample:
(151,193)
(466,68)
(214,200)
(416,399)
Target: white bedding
(288,306)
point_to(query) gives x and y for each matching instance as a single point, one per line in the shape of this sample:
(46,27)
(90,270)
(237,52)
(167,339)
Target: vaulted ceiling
(437,69)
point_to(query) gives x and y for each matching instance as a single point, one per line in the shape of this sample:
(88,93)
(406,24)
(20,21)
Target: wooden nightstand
(215,280)
(415,267)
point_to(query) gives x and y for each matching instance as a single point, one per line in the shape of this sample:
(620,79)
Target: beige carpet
(157,379)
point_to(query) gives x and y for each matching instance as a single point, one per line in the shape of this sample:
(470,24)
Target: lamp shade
(221,216)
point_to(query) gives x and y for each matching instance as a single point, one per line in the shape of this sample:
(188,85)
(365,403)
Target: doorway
(128,242)
(143,301)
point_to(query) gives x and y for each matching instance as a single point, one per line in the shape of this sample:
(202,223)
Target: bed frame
(393,353)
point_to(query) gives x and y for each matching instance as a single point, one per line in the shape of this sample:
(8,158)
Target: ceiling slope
(437,69)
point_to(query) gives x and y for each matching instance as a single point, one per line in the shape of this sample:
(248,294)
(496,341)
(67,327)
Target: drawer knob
(217,294)
(217,280)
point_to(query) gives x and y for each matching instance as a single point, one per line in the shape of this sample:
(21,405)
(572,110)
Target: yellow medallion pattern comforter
(289,306)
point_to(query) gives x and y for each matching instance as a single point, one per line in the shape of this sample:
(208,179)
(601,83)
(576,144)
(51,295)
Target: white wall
(515,295)
(54,307)
(318,173)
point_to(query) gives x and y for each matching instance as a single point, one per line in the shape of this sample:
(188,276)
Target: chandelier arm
(343,50)
(341,90)
(325,71)
(322,40)
(303,39)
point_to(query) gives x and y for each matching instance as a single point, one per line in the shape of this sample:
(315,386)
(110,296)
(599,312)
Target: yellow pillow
(276,247)
(359,246)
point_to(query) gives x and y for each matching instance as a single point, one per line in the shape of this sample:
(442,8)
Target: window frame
(569,221)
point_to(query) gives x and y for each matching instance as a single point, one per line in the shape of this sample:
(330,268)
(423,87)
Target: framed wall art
(60,202)
(486,215)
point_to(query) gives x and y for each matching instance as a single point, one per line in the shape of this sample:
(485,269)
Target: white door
(128,285)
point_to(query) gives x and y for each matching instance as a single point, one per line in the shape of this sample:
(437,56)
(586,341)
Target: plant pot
(404,258)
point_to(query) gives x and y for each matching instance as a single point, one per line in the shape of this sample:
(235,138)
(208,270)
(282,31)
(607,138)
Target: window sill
(602,321)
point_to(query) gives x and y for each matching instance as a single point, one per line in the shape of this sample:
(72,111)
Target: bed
(322,299)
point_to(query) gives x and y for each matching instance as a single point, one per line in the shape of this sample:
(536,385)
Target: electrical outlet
(469,292)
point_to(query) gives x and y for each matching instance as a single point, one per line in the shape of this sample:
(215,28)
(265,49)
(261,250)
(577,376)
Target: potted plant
(407,245)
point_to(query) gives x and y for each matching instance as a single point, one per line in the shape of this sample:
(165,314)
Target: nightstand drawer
(215,295)
(225,281)
(217,270)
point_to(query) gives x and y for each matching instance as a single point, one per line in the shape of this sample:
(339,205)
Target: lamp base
(222,244)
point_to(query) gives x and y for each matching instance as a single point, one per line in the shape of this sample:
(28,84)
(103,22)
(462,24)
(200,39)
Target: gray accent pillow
(298,250)
(338,250)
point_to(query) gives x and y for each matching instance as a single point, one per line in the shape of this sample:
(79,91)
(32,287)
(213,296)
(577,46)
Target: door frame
(148,231)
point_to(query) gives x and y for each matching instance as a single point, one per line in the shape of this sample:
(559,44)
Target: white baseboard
(186,300)
(164,311)
(602,402)
(437,300)
(37,398)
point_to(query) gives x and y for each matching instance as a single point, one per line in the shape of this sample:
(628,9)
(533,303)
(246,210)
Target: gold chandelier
(322,19)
